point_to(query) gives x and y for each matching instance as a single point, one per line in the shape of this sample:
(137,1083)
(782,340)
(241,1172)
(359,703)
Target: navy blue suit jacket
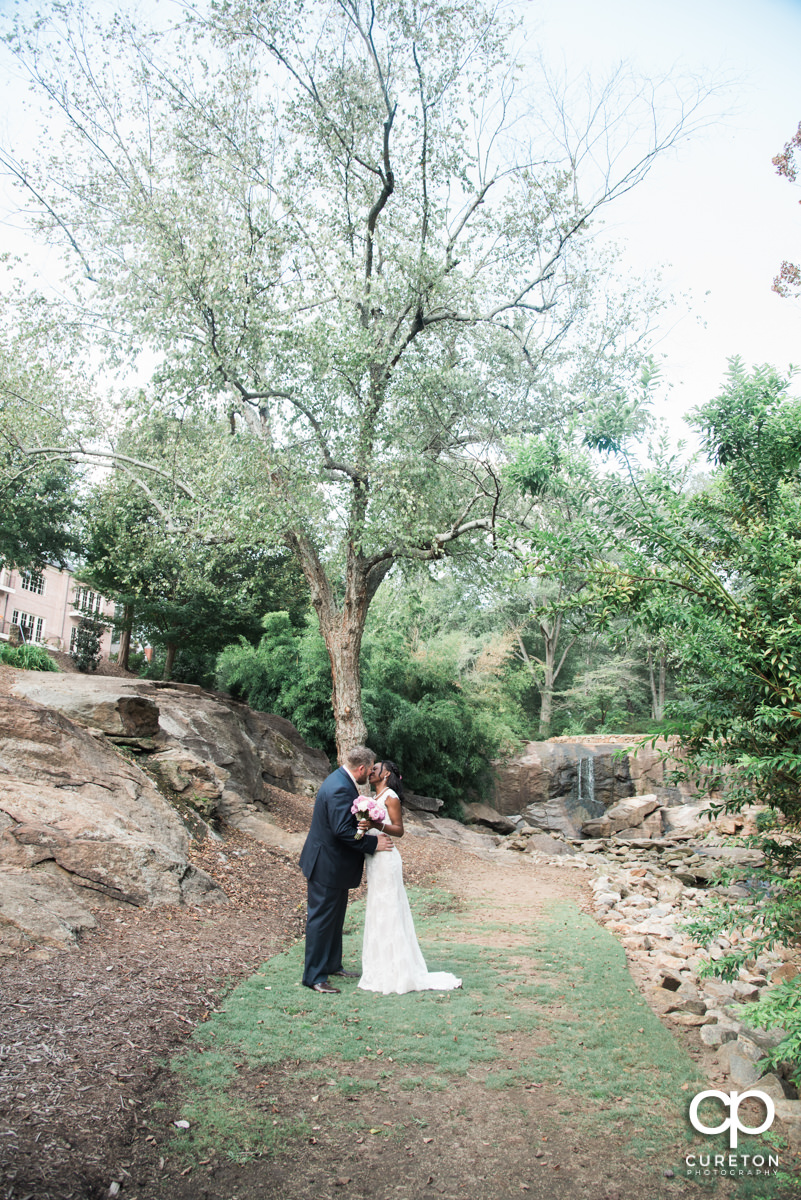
(332,855)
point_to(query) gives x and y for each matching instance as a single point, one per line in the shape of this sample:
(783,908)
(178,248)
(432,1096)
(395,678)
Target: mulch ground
(105,666)
(85,1034)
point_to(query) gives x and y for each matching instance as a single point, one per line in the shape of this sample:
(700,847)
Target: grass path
(547,1074)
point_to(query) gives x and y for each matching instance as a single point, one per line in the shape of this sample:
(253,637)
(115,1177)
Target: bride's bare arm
(394,822)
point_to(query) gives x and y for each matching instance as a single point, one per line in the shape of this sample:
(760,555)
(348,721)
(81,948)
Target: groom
(332,860)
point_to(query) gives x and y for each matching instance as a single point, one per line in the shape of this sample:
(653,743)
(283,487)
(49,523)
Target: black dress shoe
(346,974)
(323,987)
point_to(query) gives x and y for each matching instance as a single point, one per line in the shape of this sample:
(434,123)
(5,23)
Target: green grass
(558,1008)
(28,657)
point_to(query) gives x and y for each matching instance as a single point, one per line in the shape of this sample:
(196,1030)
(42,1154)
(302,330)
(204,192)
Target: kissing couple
(332,860)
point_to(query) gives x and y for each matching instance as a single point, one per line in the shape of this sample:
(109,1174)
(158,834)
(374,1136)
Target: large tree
(348,229)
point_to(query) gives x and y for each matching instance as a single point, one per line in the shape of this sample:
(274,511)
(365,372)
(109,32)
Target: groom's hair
(359,756)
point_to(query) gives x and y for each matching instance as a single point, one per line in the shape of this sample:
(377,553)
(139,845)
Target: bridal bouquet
(367,807)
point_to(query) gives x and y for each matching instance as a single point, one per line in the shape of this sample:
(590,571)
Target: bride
(391,957)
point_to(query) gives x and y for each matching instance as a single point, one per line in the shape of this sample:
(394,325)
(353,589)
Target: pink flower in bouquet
(367,808)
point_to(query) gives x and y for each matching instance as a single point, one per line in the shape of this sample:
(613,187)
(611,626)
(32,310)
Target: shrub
(86,652)
(288,673)
(28,657)
(429,710)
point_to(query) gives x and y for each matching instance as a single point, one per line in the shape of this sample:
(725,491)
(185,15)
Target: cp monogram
(732,1101)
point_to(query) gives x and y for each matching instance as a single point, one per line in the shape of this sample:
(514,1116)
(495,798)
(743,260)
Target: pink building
(48,606)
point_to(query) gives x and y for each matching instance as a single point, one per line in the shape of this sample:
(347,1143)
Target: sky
(713,217)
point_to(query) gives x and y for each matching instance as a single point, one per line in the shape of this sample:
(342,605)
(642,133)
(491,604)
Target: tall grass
(28,657)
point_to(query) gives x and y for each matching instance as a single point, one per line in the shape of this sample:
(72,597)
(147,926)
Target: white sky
(713,216)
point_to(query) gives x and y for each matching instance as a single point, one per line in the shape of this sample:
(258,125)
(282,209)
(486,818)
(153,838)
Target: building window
(32,627)
(32,581)
(73,638)
(87,602)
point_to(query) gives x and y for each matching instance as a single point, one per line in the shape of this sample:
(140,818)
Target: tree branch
(78,454)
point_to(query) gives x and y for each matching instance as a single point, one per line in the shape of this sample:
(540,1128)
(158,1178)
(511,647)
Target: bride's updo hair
(395,778)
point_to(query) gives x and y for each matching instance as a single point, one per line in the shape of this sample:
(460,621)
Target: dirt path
(91,1103)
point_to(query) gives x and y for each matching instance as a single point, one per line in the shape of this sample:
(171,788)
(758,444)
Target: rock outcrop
(214,752)
(565,784)
(80,826)
(557,786)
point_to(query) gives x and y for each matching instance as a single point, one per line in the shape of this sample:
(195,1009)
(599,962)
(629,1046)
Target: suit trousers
(325,919)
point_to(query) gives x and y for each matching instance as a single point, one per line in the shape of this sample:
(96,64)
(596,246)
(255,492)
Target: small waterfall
(585,788)
(586,781)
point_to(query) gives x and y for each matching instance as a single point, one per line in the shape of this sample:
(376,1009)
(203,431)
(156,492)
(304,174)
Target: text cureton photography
(732,1164)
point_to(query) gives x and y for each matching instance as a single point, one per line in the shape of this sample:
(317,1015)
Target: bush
(288,673)
(28,657)
(429,710)
(86,652)
(435,714)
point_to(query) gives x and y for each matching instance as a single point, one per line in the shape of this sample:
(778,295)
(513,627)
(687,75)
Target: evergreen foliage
(86,651)
(427,708)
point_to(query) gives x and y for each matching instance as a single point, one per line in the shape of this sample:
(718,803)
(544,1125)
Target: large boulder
(687,818)
(421,804)
(109,705)
(627,818)
(207,748)
(482,814)
(80,825)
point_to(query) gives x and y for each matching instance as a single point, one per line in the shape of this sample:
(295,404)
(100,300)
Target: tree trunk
(548,667)
(344,646)
(125,637)
(657,686)
(342,627)
(169,661)
(551,669)
(546,709)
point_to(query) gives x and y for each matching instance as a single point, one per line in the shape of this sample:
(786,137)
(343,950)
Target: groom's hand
(384,842)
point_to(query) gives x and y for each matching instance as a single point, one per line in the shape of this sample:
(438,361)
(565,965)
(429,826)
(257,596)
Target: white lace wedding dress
(391,957)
